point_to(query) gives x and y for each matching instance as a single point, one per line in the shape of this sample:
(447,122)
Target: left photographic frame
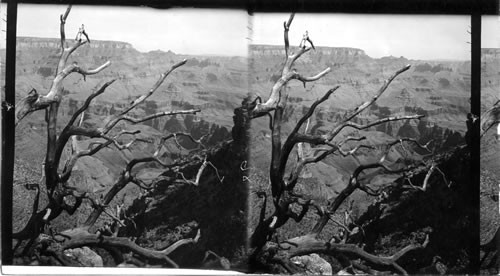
(123,132)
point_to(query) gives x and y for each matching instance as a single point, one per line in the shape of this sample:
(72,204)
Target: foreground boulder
(313,264)
(85,256)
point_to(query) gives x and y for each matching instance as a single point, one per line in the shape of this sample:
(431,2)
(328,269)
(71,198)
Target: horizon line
(357,48)
(257,44)
(133,47)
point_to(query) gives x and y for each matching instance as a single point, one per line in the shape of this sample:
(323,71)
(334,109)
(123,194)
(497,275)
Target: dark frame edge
(8,148)
(464,7)
(475,102)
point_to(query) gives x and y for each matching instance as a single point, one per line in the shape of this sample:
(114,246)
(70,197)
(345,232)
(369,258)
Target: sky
(426,37)
(183,31)
(490,32)
(3,25)
(225,32)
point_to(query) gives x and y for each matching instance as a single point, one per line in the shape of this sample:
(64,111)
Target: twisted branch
(114,119)
(307,244)
(82,238)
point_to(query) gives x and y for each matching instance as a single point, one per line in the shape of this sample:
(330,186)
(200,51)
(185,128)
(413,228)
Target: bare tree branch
(311,110)
(377,122)
(490,118)
(112,120)
(87,102)
(312,78)
(109,126)
(286,26)
(127,177)
(382,89)
(179,243)
(354,150)
(81,239)
(351,138)
(63,22)
(353,184)
(288,73)
(307,244)
(35,101)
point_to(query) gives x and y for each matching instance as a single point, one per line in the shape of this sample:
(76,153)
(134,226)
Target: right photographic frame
(490,146)
(359,157)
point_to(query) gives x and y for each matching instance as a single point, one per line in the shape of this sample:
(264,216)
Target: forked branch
(288,73)
(35,101)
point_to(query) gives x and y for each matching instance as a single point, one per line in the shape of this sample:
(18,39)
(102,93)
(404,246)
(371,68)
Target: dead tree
(490,118)
(57,171)
(264,241)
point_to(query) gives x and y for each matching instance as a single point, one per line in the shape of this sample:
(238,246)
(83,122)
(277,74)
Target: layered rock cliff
(335,54)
